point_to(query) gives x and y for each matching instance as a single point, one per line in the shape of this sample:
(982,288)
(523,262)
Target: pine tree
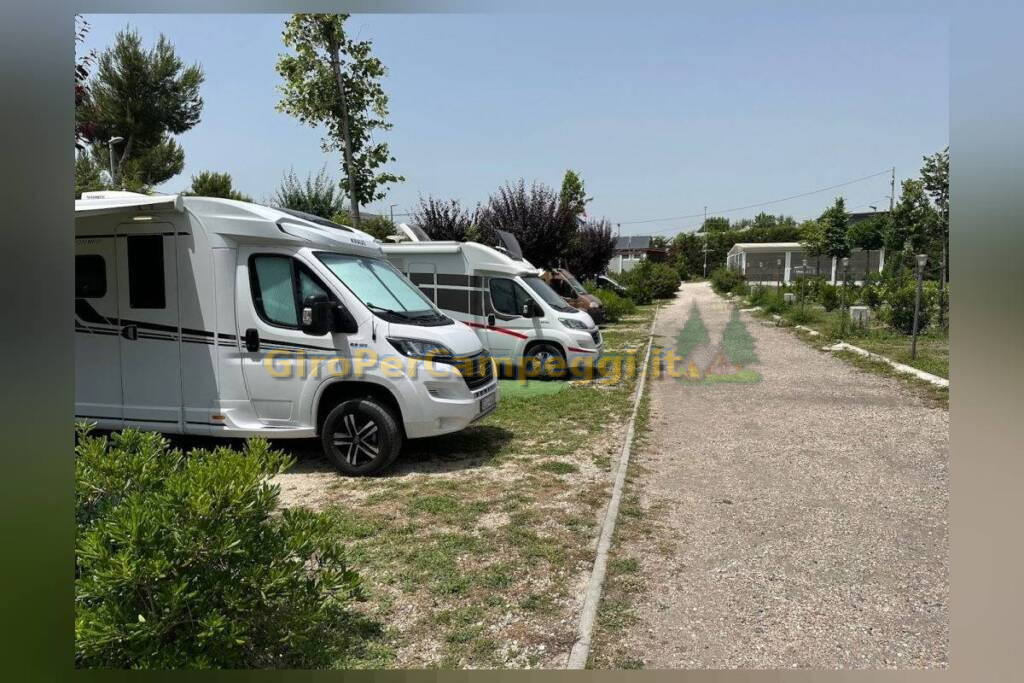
(737,343)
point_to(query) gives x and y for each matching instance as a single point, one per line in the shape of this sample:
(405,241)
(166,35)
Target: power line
(753,206)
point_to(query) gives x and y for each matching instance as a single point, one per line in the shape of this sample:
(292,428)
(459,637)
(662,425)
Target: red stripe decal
(496,329)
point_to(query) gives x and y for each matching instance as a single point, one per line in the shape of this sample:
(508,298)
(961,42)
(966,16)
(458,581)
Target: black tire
(377,442)
(540,355)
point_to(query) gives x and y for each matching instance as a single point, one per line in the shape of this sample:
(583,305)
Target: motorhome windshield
(383,289)
(550,296)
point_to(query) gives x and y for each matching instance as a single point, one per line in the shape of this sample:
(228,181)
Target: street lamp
(922,259)
(391,209)
(110,146)
(845,308)
(778,269)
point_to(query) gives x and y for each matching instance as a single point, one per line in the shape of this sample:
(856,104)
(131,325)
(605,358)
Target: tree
(84,128)
(144,96)
(212,184)
(685,253)
(591,249)
(573,196)
(335,81)
(88,174)
(714,224)
(535,216)
(835,222)
(812,239)
(935,175)
(317,195)
(911,227)
(445,220)
(868,235)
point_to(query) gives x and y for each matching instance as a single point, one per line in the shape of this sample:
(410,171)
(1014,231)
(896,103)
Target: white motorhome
(521,321)
(210,316)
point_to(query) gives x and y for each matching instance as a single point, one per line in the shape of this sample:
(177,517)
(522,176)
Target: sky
(662,114)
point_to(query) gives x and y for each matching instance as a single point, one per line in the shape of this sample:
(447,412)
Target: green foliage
(828,294)
(900,310)
(685,253)
(772,301)
(911,230)
(835,222)
(693,334)
(647,278)
(737,344)
(615,307)
(871,295)
(88,174)
(573,197)
(378,226)
(213,184)
(317,195)
(725,280)
(144,96)
(334,81)
(715,224)
(182,561)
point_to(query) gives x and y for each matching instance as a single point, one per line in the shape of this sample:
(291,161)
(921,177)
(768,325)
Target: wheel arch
(333,393)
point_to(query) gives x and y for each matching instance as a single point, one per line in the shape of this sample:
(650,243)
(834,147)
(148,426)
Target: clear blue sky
(661,113)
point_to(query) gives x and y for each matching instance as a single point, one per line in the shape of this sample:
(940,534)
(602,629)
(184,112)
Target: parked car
(196,315)
(570,289)
(502,296)
(607,283)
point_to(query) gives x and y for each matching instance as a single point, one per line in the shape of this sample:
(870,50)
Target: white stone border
(580,651)
(898,367)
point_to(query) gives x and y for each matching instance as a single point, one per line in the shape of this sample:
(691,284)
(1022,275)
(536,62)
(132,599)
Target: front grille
(477,370)
(596,335)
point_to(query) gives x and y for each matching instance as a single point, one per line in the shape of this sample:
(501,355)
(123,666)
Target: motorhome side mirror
(527,310)
(317,315)
(344,322)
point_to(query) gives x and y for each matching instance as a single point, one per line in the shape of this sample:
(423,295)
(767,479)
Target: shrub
(181,561)
(615,306)
(829,296)
(648,280)
(901,306)
(802,315)
(725,280)
(871,295)
(773,302)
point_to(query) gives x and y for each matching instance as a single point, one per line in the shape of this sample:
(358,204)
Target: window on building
(90,276)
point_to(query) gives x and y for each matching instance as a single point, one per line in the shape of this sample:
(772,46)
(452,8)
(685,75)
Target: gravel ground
(807,514)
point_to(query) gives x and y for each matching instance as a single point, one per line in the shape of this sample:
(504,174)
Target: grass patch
(484,540)
(938,396)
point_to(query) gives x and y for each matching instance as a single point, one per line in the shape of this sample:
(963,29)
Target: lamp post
(845,308)
(922,259)
(391,209)
(803,286)
(110,146)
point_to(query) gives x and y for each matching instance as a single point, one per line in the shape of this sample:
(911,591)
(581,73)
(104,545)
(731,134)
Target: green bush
(725,280)
(615,306)
(871,295)
(802,315)
(649,280)
(773,302)
(182,562)
(900,298)
(829,296)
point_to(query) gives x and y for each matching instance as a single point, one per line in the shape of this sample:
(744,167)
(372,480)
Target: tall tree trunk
(350,170)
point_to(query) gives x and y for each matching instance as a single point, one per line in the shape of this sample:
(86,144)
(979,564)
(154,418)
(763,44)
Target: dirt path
(804,516)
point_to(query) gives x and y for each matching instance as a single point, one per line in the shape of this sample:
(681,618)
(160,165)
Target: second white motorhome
(520,320)
(224,318)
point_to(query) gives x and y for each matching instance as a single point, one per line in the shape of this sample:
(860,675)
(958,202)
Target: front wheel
(361,436)
(545,361)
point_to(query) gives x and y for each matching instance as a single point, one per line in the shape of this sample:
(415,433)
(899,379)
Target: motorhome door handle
(490,320)
(252,340)
(130,332)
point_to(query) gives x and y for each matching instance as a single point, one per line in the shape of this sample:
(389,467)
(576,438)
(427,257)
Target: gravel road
(806,514)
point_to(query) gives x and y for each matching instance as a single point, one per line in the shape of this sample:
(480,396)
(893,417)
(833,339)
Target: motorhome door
(149,334)
(97,340)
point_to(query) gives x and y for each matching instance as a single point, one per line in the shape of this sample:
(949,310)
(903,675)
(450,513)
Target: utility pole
(892,189)
(704,228)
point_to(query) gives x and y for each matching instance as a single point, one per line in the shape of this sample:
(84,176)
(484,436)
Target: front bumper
(444,406)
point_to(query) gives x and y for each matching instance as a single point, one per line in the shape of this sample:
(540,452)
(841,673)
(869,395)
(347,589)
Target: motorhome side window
(279,285)
(507,297)
(146,271)
(90,276)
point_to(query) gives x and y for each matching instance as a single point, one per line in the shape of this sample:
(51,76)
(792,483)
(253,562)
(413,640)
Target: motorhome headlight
(573,323)
(420,348)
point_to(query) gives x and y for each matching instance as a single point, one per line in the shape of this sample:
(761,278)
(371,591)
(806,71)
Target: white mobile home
(211,316)
(775,262)
(501,296)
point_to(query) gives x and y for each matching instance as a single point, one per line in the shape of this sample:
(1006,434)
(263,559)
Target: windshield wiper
(399,314)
